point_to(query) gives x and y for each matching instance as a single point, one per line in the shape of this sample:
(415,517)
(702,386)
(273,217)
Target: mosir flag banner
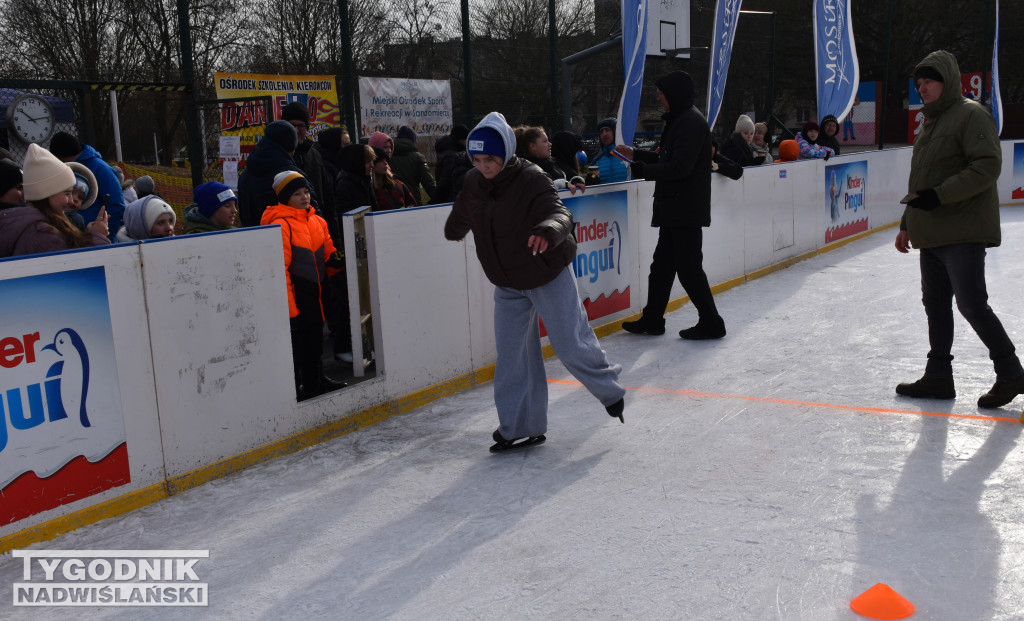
(997,101)
(727,15)
(386,104)
(835,58)
(61,428)
(634,50)
(602,264)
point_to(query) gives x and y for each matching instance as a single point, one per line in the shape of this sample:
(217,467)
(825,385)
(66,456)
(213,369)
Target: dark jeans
(679,252)
(959,270)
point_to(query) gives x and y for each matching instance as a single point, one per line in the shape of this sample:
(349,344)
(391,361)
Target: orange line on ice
(833,406)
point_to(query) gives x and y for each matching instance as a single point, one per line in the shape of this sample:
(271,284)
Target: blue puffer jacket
(109,191)
(611,168)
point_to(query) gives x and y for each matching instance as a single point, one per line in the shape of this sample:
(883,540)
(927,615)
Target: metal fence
(513,66)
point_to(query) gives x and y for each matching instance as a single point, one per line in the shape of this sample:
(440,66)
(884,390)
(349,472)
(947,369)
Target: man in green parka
(952,216)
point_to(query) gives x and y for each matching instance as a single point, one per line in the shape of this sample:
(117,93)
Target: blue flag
(727,15)
(997,101)
(835,58)
(634,52)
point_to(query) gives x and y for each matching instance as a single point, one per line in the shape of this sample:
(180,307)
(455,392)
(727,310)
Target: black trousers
(679,252)
(338,314)
(307,347)
(958,270)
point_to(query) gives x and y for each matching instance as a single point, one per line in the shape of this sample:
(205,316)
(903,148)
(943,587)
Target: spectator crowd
(68,196)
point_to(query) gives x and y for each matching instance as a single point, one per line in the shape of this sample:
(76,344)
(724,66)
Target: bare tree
(303,36)
(77,40)
(512,53)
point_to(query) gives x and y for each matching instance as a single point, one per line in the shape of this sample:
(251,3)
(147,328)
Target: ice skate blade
(504,447)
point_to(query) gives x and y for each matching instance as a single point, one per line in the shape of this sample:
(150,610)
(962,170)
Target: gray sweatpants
(520,384)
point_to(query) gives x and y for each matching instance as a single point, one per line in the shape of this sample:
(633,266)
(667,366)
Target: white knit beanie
(140,215)
(44,174)
(744,123)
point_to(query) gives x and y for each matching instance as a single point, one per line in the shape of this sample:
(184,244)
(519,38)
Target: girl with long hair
(41,225)
(532,145)
(390,192)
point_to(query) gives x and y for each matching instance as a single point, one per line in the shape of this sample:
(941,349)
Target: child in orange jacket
(308,255)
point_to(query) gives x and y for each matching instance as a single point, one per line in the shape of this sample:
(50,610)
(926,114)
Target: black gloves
(926,200)
(637,170)
(336,260)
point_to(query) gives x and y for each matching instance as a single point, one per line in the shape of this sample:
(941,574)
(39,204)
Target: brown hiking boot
(1002,392)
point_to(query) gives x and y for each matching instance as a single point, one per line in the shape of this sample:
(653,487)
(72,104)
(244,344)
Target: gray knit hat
(144,186)
(744,124)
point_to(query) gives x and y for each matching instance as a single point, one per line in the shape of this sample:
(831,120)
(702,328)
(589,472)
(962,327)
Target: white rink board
(134,364)
(221,344)
(1007,184)
(218,381)
(422,323)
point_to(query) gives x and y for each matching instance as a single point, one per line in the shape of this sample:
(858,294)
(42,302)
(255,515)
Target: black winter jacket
(353,188)
(738,150)
(681,169)
(310,161)
(256,184)
(452,164)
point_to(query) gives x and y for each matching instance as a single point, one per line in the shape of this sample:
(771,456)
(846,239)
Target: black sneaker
(929,388)
(1002,392)
(704,330)
(643,326)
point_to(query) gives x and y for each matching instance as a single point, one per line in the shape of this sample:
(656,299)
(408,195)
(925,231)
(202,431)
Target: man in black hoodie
(272,154)
(681,171)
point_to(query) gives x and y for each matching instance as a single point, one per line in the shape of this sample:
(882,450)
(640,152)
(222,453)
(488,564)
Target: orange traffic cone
(882,602)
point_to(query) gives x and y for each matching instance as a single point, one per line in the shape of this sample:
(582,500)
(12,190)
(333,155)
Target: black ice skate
(503,445)
(615,410)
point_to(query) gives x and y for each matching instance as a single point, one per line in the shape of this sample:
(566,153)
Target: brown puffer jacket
(502,213)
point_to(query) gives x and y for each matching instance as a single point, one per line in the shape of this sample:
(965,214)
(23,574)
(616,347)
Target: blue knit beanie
(211,196)
(82,185)
(486,141)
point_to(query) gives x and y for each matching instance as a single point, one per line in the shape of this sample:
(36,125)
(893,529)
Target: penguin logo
(833,193)
(73,370)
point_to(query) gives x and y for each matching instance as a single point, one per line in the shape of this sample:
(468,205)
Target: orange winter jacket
(307,246)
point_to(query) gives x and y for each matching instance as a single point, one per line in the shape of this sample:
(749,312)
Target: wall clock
(30,118)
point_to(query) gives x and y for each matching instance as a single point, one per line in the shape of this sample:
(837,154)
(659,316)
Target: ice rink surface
(773,474)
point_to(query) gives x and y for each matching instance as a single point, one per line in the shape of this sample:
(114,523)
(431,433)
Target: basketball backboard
(668,26)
